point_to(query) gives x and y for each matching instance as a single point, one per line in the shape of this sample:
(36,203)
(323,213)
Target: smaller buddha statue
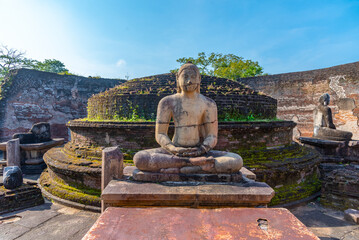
(324,127)
(196,128)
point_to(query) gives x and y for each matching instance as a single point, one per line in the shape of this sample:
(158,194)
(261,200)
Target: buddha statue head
(188,78)
(324,99)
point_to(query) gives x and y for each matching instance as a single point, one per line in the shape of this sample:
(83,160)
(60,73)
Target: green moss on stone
(74,193)
(293,192)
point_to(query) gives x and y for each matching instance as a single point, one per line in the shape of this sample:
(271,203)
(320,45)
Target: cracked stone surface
(326,223)
(48,221)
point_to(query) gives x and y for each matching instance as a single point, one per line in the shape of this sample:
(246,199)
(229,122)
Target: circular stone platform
(74,171)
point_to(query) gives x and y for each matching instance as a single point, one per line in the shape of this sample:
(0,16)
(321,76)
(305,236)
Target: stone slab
(37,146)
(320,142)
(352,215)
(190,194)
(187,223)
(34,161)
(139,175)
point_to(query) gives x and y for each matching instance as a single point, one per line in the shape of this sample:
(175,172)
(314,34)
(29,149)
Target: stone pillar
(13,152)
(112,167)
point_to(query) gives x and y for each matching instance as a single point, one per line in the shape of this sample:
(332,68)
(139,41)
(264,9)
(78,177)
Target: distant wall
(35,96)
(298,93)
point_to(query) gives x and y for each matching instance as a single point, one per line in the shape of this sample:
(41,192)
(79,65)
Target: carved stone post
(112,167)
(13,152)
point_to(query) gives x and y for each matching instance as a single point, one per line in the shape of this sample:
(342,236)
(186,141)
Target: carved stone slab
(187,223)
(190,194)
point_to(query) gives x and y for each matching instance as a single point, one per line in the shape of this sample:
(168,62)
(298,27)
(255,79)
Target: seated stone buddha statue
(324,127)
(196,128)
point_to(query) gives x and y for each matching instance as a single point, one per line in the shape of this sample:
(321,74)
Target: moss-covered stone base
(75,193)
(293,192)
(292,170)
(74,171)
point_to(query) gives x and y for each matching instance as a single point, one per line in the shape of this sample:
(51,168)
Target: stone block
(41,132)
(112,165)
(12,177)
(13,152)
(188,223)
(247,193)
(248,174)
(352,215)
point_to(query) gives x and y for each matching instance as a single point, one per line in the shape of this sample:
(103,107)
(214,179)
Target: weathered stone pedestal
(184,207)
(31,154)
(333,151)
(339,171)
(187,223)
(186,190)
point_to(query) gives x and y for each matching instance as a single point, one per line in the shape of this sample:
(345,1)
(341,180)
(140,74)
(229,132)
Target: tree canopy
(14,59)
(50,65)
(226,66)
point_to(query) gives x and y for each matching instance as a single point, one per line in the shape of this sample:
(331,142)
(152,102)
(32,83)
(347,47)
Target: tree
(12,59)
(50,65)
(226,66)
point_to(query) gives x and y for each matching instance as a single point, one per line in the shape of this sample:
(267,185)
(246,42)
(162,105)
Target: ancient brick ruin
(298,93)
(34,96)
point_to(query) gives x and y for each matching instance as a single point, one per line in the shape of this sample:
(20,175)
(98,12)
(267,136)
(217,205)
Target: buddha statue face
(188,78)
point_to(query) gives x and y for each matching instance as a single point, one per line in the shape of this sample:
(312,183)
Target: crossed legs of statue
(159,160)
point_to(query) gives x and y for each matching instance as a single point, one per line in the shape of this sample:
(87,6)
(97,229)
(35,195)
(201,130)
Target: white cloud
(121,63)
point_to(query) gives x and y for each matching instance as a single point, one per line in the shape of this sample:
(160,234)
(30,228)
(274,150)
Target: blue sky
(140,38)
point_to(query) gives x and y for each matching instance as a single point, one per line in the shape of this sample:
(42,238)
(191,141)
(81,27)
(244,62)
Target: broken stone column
(13,152)
(112,167)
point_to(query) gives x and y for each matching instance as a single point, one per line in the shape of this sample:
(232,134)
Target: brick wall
(298,93)
(35,96)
